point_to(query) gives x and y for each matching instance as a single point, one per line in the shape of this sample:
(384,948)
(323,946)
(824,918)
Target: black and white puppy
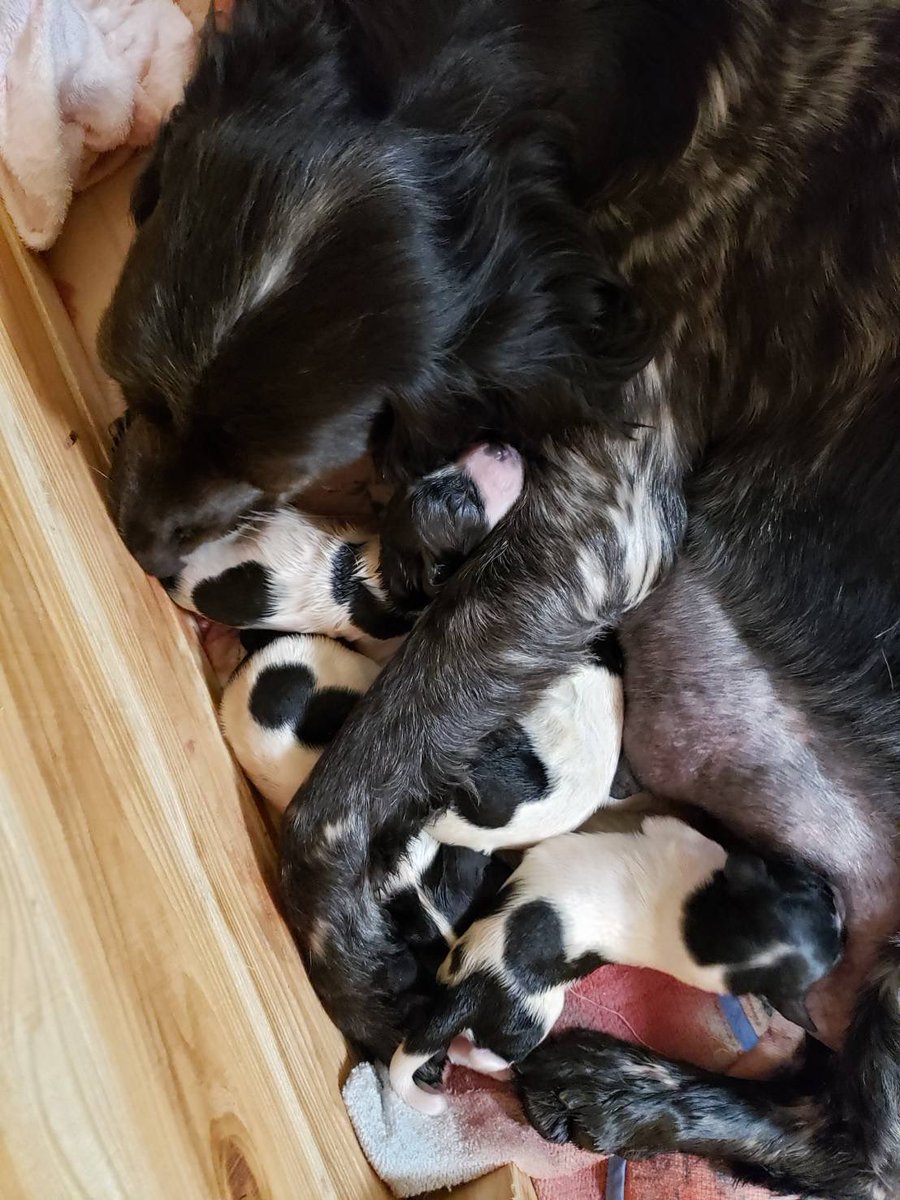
(546,773)
(665,897)
(294,573)
(285,703)
(297,573)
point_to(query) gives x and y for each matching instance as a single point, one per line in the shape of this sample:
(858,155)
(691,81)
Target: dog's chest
(708,723)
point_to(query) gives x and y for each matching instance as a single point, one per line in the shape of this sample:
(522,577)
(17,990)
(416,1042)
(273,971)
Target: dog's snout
(157,559)
(153,551)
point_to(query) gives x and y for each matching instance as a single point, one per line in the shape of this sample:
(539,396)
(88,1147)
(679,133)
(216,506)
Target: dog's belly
(707,723)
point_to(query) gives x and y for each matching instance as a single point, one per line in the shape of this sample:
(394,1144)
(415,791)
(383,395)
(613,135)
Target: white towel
(82,83)
(480,1130)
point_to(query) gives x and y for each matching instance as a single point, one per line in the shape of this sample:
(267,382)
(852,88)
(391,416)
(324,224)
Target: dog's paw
(600,1094)
(544,1105)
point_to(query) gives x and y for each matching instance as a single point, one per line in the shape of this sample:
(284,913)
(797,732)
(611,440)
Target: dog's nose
(157,559)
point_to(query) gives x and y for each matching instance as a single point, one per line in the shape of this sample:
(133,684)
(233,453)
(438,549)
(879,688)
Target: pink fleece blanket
(82,84)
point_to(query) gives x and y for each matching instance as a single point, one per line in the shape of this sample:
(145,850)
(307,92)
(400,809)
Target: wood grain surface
(158,1036)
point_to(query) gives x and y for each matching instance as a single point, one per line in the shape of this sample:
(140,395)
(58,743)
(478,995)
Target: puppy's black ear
(745,870)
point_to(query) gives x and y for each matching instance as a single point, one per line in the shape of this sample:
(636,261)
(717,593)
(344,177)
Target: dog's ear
(281,35)
(147,186)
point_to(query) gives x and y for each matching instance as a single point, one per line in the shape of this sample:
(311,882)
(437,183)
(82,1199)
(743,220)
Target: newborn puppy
(665,897)
(547,773)
(431,526)
(285,703)
(295,573)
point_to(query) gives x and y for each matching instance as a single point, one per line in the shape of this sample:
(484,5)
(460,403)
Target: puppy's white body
(275,759)
(617,896)
(297,553)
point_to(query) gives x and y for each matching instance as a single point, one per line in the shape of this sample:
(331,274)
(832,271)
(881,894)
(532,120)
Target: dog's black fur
(449,330)
(404,222)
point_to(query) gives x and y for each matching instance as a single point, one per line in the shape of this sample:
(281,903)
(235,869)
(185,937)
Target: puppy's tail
(866,1100)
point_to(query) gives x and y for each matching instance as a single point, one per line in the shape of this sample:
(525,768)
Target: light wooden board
(158,1036)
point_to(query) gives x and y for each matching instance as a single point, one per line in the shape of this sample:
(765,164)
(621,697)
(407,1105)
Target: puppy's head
(274,296)
(776,924)
(431,527)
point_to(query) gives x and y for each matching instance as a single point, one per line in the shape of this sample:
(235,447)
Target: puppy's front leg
(598,522)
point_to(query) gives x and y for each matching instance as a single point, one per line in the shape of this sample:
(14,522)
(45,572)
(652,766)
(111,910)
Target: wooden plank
(158,1036)
(506,1184)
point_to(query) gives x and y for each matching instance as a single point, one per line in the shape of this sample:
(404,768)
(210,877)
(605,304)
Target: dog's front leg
(599,520)
(611,1097)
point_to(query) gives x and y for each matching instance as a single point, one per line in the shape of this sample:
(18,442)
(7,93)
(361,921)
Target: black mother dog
(403,221)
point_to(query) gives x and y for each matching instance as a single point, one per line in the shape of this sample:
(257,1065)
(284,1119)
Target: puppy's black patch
(534,949)
(417,930)
(257,639)
(776,912)
(606,651)
(281,695)
(325,713)
(242,595)
(506,775)
(366,611)
(463,883)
